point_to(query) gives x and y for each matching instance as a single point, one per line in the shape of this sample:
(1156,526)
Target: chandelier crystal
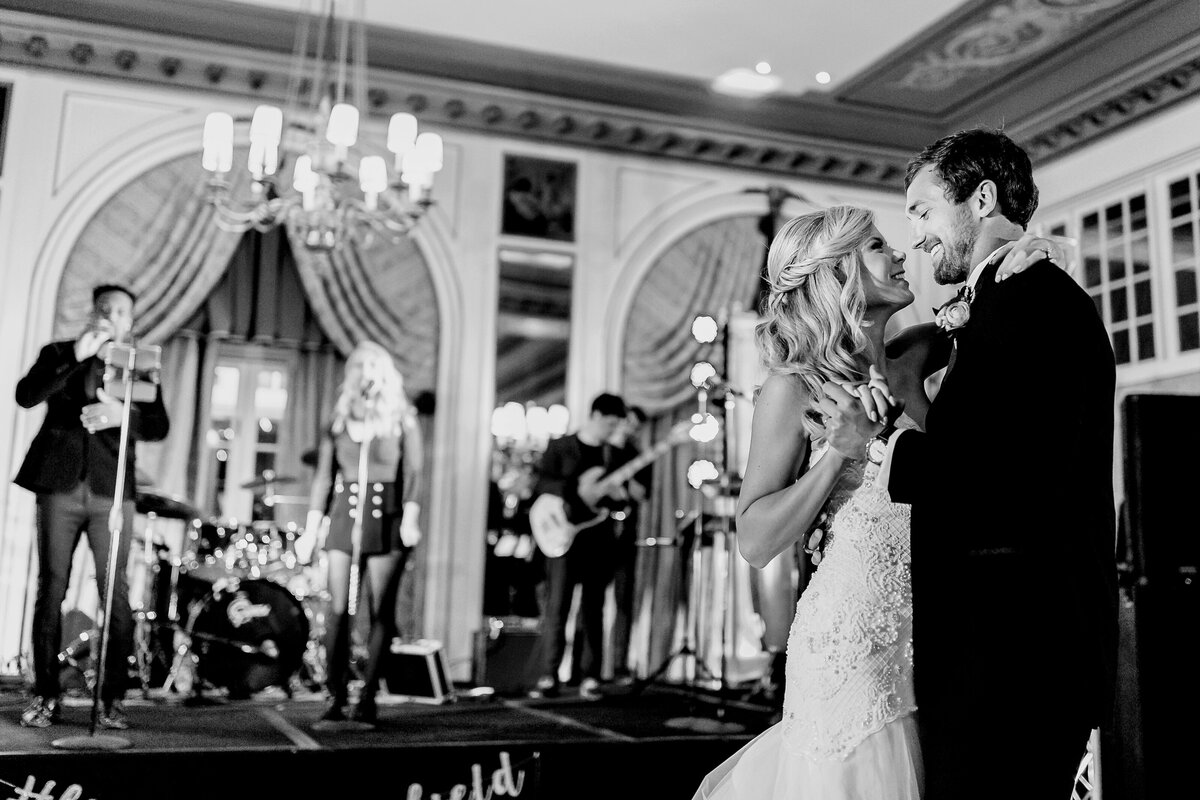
(319,138)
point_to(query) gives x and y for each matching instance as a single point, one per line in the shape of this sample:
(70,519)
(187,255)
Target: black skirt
(381,524)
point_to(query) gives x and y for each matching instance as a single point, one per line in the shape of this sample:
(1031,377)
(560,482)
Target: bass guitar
(553,532)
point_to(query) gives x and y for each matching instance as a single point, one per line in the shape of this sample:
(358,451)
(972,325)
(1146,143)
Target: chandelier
(318,135)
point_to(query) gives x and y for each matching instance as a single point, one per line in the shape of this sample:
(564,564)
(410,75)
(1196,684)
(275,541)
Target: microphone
(367,388)
(718,385)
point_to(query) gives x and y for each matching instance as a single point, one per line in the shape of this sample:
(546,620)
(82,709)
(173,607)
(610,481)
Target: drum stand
(116,526)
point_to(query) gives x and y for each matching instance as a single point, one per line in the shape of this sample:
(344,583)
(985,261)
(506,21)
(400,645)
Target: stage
(654,741)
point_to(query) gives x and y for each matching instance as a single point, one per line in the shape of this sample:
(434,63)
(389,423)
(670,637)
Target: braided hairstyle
(814,314)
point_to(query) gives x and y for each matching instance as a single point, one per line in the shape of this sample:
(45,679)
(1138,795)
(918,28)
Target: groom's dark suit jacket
(1013,523)
(63,453)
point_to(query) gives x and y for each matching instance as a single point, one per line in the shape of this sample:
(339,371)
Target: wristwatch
(877,445)
(876,450)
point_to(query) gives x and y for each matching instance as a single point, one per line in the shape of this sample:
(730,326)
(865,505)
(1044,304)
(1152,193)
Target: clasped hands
(852,414)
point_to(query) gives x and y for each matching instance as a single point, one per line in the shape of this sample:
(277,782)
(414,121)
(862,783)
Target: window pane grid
(1115,253)
(1184,198)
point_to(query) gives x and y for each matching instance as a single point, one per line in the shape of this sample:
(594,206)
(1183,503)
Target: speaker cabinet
(508,655)
(1149,753)
(1162,463)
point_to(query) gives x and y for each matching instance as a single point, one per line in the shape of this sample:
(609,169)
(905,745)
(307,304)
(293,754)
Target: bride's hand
(1027,250)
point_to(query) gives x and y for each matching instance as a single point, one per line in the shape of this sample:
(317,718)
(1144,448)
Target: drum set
(221,604)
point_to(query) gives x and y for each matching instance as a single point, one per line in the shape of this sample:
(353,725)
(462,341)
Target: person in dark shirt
(72,466)
(588,560)
(626,520)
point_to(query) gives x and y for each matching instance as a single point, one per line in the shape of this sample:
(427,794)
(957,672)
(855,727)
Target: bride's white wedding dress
(848,730)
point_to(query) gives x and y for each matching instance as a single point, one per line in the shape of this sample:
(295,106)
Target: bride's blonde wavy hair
(813,316)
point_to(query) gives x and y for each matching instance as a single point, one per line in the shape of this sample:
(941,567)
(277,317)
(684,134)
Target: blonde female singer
(383,480)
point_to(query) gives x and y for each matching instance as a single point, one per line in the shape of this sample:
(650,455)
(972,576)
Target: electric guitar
(554,532)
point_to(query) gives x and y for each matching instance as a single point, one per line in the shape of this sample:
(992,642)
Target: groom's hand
(814,540)
(877,398)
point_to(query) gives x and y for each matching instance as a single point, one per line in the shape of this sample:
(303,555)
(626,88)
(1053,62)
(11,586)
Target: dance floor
(656,742)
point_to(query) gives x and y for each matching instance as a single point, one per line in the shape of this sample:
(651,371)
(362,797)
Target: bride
(848,730)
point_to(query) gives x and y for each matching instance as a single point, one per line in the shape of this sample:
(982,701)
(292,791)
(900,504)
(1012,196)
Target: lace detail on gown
(849,657)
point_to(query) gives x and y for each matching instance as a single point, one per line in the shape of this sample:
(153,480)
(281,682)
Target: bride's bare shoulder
(783,390)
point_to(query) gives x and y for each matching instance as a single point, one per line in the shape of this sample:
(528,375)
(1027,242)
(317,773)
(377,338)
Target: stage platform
(655,741)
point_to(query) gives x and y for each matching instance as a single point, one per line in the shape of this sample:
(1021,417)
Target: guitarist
(625,531)
(589,559)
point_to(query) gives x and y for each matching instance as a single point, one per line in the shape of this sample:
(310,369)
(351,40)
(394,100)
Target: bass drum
(248,635)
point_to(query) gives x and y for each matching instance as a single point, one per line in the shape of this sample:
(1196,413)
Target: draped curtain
(204,292)
(713,270)
(200,288)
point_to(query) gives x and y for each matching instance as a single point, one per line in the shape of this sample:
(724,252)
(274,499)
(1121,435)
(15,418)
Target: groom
(1011,486)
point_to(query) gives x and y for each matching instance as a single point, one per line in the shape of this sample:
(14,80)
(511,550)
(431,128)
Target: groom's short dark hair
(963,160)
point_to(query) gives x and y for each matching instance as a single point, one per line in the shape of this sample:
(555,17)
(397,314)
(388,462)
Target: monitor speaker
(1162,443)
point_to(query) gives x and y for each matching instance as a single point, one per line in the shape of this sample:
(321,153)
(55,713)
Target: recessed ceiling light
(742,82)
(823,78)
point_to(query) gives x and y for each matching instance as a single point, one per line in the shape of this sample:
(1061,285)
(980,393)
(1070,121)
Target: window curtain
(258,302)
(156,235)
(377,290)
(203,291)
(714,270)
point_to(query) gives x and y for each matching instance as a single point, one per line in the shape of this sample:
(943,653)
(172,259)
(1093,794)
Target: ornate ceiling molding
(1008,33)
(50,43)
(1056,74)
(1115,109)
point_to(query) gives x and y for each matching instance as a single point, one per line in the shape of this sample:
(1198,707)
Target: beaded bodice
(849,659)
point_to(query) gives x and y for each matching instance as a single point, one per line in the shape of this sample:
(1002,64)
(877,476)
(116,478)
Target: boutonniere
(954,313)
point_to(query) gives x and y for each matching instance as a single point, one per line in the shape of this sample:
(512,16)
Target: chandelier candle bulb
(342,130)
(429,145)
(372,174)
(262,161)
(267,125)
(304,180)
(218,142)
(402,134)
(320,134)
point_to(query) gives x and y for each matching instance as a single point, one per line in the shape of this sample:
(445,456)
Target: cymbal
(268,478)
(164,505)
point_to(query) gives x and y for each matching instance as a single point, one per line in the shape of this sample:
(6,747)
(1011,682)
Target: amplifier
(508,654)
(418,671)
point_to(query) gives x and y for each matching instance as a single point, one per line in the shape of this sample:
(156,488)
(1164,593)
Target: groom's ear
(985,200)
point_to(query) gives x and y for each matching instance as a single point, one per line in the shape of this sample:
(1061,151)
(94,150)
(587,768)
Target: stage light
(706,429)
(704,329)
(702,371)
(701,471)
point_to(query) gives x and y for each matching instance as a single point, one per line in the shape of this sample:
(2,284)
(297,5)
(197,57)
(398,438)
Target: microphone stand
(117,520)
(357,529)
